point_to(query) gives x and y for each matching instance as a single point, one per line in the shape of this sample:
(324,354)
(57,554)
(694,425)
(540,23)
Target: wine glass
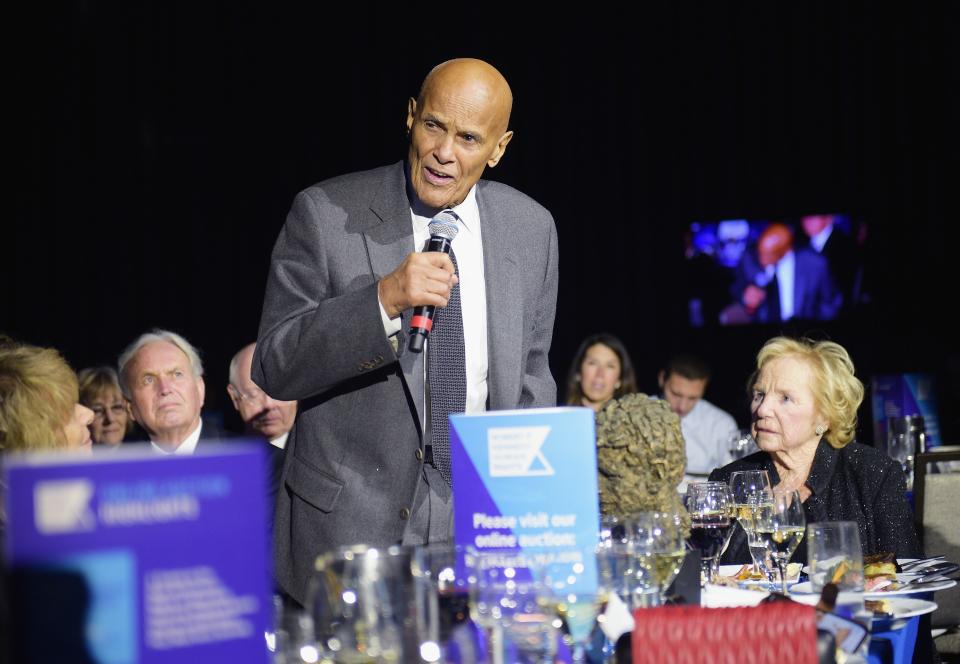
(710,505)
(658,540)
(506,593)
(750,489)
(365,604)
(448,599)
(780,525)
(571,589)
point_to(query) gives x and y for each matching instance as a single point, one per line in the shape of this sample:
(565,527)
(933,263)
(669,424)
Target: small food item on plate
(880,583)
(837,573)
(745,573)
(880,565)
(878,605)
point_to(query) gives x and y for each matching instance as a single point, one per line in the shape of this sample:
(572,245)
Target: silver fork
(913,564)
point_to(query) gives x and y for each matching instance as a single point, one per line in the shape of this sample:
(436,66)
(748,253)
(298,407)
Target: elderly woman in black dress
(804,404)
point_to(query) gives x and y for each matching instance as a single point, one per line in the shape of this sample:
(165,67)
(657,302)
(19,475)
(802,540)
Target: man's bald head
(457,126)
(484,77)
(774,243)
(261,413)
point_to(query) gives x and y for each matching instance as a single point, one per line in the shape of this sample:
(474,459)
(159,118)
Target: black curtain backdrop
(157,147)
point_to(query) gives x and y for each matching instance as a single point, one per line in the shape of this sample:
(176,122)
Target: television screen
(742,271)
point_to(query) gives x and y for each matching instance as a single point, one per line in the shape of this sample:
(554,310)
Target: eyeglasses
(253,395)
(116,410)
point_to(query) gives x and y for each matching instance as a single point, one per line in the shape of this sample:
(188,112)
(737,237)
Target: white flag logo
(516,452)
(63,506)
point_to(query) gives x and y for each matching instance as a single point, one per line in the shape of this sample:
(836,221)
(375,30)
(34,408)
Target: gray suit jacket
(352,466)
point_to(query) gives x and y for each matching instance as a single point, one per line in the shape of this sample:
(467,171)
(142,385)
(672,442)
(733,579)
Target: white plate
(901,607)
(900,592)
(904,607)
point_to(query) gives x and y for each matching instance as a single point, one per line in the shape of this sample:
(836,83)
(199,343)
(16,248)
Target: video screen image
(745,271)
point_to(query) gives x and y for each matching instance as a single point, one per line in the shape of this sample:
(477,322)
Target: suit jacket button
(405,513)
(419,454)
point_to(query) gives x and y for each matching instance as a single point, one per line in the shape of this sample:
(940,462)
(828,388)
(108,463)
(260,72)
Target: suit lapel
(504,297)
(389,239)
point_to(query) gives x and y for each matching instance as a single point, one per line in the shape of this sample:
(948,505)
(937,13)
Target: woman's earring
(819,429)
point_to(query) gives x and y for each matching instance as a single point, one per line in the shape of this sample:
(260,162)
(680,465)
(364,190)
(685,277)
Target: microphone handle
(418,331)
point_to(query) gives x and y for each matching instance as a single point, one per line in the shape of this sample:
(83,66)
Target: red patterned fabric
(778,633)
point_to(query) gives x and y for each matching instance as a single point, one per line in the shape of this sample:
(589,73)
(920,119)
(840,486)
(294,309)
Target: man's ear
(498,151)
(234,397)
(129,405)
(411,114)
(662,378)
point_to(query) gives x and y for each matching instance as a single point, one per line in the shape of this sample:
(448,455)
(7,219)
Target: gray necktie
(447,373)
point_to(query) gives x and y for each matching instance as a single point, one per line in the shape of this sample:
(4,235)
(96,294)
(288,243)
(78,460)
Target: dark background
(156,148)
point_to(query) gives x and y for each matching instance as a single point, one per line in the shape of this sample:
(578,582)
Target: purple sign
(169,553)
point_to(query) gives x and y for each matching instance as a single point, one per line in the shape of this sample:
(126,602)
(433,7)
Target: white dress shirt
(707,433)
(468,247)
(786,275)
(786,272)
(187,447)
(280,441)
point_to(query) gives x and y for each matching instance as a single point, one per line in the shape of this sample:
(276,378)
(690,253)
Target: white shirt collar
(820,239)
(468,211)
(280,441)
(188,446)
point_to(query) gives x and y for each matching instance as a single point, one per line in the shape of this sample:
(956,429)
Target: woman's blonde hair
(837,392)
(38,393)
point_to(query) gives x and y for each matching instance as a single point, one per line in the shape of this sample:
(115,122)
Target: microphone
(443,228)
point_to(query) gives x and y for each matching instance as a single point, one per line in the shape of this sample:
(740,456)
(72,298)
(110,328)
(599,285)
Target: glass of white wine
(750,489)
(660,546)
(780,525)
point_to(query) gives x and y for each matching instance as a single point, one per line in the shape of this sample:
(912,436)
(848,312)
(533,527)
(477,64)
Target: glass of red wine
(712,519)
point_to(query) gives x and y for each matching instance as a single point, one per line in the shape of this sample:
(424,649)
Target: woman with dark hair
(601,371)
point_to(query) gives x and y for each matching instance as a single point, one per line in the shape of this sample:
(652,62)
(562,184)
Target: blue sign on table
(170,551)
(525,479)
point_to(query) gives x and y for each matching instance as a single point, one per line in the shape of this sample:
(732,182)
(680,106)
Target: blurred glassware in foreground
(368,606)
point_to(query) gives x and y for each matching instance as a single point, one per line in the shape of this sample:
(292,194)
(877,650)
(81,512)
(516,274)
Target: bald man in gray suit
(345,276)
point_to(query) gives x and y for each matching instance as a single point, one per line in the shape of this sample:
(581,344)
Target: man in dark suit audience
(161,377)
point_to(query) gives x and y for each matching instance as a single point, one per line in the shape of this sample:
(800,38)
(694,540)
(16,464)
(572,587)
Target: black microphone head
(445,225)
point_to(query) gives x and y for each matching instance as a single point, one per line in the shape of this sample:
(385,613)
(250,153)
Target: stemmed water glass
(571,588)
(780,525)
(711,507)
(506,601)
(750,489)
(658,541)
